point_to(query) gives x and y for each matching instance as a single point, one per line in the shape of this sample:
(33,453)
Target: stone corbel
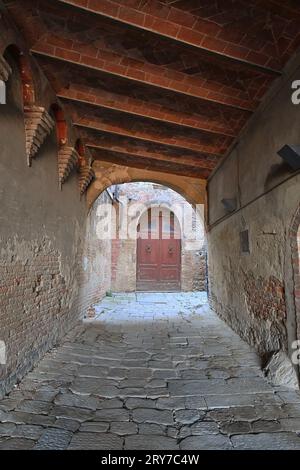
(67,160)
(86,176)
(5,69)
(38,125)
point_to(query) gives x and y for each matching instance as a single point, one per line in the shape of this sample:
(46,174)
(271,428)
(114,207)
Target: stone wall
(95,280)
(42,232)
(252,288)
(124,252)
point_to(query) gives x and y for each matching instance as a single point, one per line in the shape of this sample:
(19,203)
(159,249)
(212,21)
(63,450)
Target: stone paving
(152,372)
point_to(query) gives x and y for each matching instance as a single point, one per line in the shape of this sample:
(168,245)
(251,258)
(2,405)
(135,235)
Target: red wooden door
(158,253)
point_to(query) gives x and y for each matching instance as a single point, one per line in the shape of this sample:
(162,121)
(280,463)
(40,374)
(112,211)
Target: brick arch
(295,250)
(106,175)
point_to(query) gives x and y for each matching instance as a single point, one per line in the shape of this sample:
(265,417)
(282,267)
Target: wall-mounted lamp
(230,205)
(291,155)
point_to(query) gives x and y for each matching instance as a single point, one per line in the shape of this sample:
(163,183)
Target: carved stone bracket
(86,176)
(38,125)
(5,69)
(67,160)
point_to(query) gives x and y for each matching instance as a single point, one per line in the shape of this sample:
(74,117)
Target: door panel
(159,260)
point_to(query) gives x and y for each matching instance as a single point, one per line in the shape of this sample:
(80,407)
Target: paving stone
(7,429)
(204,427)
(146,415)
(188,416)
(35,407)
(69,399)
(235,427)
(110,403)
(112,415)
(149,442)
(147,428)
(99,387)
(205,442)
(266,426)
(132,403)
(94,426)
(16,444)
(67,424)
(267,441)
(123,429)
(92,371)
(54,439)
(79,414)
(164,374)
(95,441)
(171,403)
(28,431)
(150,374)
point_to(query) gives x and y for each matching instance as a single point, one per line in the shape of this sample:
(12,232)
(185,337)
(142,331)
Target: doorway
(158,252)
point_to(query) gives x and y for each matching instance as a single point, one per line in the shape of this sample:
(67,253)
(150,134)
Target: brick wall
(95,268)
(44,288)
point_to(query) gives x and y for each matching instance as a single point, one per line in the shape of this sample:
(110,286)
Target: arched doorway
(158,251)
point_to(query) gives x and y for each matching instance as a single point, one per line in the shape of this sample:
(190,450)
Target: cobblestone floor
(152,371)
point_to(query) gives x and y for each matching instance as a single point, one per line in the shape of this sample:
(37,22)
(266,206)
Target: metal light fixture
(229,204)
(291,155)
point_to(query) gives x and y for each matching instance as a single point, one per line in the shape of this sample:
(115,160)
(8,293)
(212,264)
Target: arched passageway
(166,93)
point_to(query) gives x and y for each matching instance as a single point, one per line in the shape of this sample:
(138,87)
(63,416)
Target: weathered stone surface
(148,415)
(95,441)
(54,439)
(150,442)
(132,403)
(69,399)
(147,428)
(94,426)
(35,407)
(80,414)
(110,414)
(206,411)
(123,429)
(205,442)
(281,371)
(95,386)
(67,424)
(265,441)
(188,416)
(16,444)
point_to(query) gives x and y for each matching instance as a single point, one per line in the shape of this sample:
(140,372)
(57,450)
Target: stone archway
(192,189)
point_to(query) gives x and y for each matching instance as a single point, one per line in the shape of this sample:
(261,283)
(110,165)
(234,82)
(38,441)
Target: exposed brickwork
(67,160)
(95,265)
(36,304)
(225,27)
(38,125)
(265,326)
(184,114)
(86,176)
